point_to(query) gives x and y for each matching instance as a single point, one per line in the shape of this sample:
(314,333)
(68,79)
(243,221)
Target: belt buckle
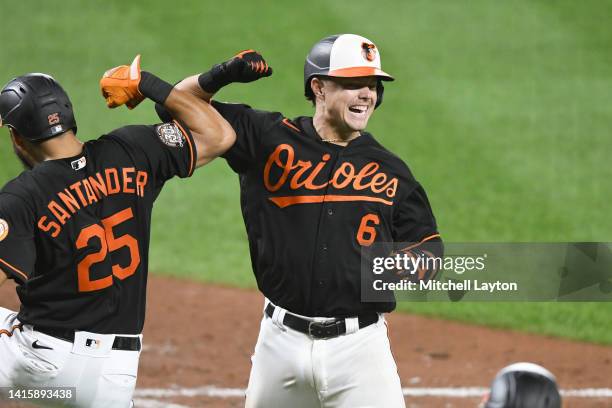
(324,331)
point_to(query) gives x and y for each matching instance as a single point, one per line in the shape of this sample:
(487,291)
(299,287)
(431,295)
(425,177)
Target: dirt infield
(200,336)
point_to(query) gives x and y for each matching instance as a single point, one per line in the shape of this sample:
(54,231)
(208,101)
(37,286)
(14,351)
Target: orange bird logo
(368,51)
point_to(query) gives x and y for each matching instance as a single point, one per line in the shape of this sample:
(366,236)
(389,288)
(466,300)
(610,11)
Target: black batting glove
(246,66)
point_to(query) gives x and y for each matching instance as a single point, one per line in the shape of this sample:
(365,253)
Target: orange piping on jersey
(191,159)
(283,202)
(10,333)
(23,275)
(432,236)
(290,125)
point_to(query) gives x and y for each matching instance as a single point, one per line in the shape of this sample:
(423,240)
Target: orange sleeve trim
(428,238)
(191,155)
(432,236)
(17,271)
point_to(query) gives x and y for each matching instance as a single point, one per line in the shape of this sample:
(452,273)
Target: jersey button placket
(319,283)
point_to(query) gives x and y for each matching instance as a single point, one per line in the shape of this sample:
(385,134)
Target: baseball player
(314,191)
(75,227)
(523,385)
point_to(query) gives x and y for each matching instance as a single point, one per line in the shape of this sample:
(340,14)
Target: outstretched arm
(128,85)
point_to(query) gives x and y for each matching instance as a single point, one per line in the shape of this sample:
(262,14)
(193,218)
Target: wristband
(154,88)
(215,79)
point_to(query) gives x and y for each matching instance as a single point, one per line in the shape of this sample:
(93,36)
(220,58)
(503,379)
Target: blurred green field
(501,109)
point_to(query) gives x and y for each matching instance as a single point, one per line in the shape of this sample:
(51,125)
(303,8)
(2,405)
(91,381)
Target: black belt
(322,330)
(120,343)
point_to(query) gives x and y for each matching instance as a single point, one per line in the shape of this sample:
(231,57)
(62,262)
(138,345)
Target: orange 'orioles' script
(303,174)
(90,190)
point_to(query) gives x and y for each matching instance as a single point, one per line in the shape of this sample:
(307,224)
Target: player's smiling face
(349,102)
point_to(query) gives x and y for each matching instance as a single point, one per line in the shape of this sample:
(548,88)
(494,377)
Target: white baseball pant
(102,377)
(354,370)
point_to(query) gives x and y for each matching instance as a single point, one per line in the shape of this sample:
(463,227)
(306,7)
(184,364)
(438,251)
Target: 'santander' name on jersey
(90,190)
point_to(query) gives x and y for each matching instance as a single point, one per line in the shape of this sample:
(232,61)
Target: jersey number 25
(108,242)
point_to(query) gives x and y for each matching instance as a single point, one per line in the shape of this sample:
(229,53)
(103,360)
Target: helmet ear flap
(380,90)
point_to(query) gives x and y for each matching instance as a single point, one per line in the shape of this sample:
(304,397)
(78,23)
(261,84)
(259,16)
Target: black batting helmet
(344,55)
(37,107)
(524,385)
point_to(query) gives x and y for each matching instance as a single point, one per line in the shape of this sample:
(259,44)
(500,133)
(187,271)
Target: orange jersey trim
(283,202)
(17,271)
(191,156)
(432,236)
(287,123)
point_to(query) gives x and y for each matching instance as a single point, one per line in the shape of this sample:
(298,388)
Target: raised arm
(246,66)
(212,134)
(128,85)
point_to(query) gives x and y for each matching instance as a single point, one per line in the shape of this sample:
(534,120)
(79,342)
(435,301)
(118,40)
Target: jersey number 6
(367,233)
(108,242)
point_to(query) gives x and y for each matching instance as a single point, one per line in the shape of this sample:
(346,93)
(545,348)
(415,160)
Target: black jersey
(309,207)
(75,231)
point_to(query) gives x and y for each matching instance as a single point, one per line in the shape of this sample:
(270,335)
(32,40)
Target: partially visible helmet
(524,385)
(37,107)
(344,55)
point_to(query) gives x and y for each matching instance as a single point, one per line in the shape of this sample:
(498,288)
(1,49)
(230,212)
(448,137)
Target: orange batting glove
(119,85)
